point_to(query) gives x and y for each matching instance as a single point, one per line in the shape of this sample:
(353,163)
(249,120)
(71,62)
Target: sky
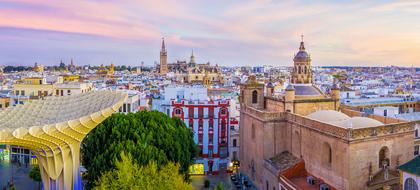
(224,32)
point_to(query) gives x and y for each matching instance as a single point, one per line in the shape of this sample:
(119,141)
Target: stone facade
(344,157)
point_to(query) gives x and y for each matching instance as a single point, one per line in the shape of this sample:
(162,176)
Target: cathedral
(303,139)
(189,72)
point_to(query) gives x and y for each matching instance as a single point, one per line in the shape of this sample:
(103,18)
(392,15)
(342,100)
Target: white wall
(407,175)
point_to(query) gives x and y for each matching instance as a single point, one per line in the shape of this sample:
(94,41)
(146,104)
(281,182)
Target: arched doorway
(384,157)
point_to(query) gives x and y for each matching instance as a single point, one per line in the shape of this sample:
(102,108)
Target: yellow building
(68,78)
(4,102)
(106,71)
(38,68)
(38,87)
(33,87)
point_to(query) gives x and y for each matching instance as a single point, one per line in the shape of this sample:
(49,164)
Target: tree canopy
(146,136)
(35,174)
(129,175)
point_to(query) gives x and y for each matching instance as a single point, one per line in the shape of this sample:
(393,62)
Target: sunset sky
(227,32)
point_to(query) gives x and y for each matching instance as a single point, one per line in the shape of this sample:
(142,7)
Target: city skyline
(377,33)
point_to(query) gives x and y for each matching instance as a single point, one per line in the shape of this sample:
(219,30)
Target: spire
(192,58)
(302,44)
(163,45)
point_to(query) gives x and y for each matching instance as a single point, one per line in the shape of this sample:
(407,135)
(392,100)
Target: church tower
(302,70)
(252,93)
(192,59)
(163,59)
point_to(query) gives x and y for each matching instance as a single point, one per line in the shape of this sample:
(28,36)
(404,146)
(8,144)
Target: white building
(132,103)
(386,111)
(410,171)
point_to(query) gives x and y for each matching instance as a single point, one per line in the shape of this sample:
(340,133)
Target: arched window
(223,111)
(254,96)
(410,184)
(383,157)
(326,154)
(300,70)
(267,185)
(305,69)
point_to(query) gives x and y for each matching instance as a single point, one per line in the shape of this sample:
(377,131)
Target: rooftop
(306,90)
(376,101)
(412,166)
(414,116)
(54,110)
(284,160)
(342,120)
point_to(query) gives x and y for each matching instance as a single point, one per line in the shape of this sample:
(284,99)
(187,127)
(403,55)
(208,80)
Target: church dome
(302,55)
(342,120)
(328,116)
(359,122)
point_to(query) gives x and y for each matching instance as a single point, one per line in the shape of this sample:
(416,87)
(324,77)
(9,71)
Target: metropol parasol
(53,129)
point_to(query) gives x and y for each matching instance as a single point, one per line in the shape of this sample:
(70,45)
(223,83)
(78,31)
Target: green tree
(35,174)
(129,175)
(147,136)
(219,186)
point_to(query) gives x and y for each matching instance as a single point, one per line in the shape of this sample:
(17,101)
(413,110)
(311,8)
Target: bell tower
(252,93)
(302,70)
(163,59)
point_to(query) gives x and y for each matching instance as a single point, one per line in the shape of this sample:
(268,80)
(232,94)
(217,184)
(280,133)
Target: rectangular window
(416,150)
(200,112)
(1,106)
(417,133)
(234,142)
(200,139)
(191,112)
(128,107)
(210,139)
(200,125)
(210,153)
(211,112)
(22,92)
(57,92)
(17,92)
(211,125)
(62,92)
(124,108)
